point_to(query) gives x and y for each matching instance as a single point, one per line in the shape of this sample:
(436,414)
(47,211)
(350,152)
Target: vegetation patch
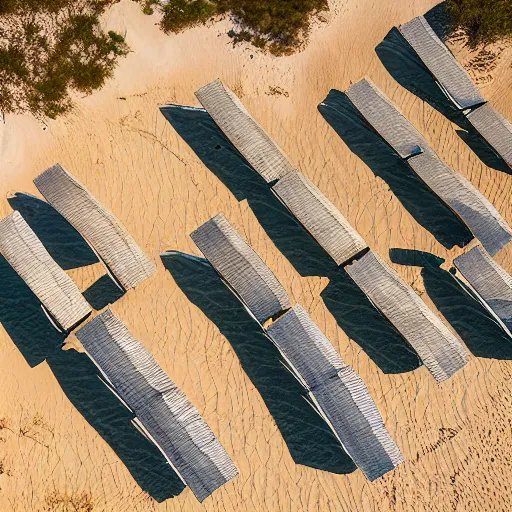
(281,26)
(49,49)
(482,21)
(79,502)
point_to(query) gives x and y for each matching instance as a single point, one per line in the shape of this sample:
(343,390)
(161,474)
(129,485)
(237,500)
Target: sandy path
(454,436)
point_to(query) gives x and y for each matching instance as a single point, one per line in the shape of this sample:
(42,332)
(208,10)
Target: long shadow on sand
(363,323)
(417,198)
(307,436)
(480,332)
(405,66)
(102,292)
(201,133)
(65,245)
(199,130)
(28,327)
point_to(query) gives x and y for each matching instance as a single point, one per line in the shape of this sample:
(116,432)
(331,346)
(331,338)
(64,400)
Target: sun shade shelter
(472,207)
(439,349)
(449,74)
(337,392)
(458,86)
(492,284)
(248,137)
(162,409)
(100,228)
(495,130)
(385,119)
(241,268)
(475,210)
(56,291)
(319,217)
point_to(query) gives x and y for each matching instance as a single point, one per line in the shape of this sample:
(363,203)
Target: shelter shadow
(412,192)
(366,325)
(309,439)
(478,329)
(405,66)
(102,292)
(65,245)
(200,132)
(22,318)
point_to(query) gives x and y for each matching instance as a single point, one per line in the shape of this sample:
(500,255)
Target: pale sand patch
(455,437)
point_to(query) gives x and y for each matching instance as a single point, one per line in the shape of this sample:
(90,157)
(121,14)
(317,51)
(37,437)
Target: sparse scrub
(80,502)
(281,26)
(48,49)
(483,21)
(181,14)
(284,24)
(3,469)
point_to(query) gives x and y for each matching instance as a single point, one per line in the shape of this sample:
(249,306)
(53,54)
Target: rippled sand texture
(67,445)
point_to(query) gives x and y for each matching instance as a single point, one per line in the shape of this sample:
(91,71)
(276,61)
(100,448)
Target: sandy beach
(67,446)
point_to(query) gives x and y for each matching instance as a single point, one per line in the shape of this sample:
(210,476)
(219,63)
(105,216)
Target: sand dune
(68,446)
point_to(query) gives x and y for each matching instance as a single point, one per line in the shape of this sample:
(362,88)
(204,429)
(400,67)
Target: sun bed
(319,217)
(241,268)
(99,227)
(162,409)
(338,393)
(441,63)
(56,291)
(481,217)
(492,284)
(441,352)
(243,131)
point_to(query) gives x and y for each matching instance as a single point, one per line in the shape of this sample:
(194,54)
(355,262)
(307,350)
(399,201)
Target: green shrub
(259,42)
(285,23)
(181,14)
(48,49)
(483,21)
(280,25)
(148,6)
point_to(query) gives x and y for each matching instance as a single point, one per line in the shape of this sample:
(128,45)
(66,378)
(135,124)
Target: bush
(283,23)
(148,6)
(181,14)
(483,21)
(280,25)
(48,49)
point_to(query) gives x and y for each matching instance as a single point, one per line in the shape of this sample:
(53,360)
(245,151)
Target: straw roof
(491,282)
(353,415)
(337,391)
(102,230)
(385,118)
(319,217)
(242,269)
(441,63)
(439,349)
(162,408)
(495,129)
(243,131)
(459,194)
(305,347)
(475,210)
(52,286)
